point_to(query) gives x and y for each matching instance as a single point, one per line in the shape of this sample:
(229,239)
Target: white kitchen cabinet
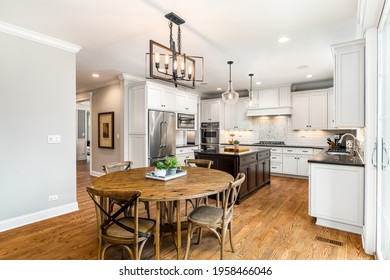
(295,161)
(336,196)
(276,159)
(235,116)
(160,98)
(349,78)
(310,110)
(331,108)
(186,103)
(274,97)
(212,110)
(185,153)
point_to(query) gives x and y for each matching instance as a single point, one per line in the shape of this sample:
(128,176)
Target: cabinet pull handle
(289,150)
(387,157)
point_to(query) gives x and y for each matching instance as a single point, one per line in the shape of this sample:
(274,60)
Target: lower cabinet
(295,161)
(336,196)
(185,153)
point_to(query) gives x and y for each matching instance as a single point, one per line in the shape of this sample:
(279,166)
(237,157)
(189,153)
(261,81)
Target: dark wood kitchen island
(255,164)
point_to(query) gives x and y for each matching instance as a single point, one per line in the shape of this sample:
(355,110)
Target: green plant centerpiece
(236,143)
(160,168)
(171,163)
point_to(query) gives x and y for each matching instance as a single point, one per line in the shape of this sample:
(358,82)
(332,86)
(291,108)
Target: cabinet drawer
(276,158)
(263,155)
(276,167)
(298,151)
(276,150)
(248,159)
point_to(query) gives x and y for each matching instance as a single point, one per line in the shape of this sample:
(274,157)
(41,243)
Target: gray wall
(37,99)
(106,99)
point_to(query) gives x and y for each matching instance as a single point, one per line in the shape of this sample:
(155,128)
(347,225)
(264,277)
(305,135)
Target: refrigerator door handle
(385,165)
(374,162)
(161,138)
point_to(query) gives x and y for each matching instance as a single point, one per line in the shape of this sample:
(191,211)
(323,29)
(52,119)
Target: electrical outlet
(54,139)
(53,197)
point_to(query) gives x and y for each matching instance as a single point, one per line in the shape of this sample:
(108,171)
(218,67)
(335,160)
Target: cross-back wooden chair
(216,219)
(121,166)
(116,229)
(205,163)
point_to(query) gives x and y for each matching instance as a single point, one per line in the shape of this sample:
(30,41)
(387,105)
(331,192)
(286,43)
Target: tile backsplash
(279,128)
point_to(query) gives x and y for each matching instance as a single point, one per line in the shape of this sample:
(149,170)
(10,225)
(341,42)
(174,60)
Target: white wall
(37,99)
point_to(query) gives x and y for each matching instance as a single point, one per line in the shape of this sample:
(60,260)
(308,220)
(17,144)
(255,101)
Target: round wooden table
(198,182)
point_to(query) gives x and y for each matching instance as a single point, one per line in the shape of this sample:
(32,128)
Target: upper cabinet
(349,83)
(212,110)
(310,110)
(186,103)
(160,98)
(235,116)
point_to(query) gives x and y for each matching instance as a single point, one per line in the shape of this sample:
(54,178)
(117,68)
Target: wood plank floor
(272,224)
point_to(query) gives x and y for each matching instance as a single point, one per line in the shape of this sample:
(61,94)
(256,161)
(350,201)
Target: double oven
(209,136)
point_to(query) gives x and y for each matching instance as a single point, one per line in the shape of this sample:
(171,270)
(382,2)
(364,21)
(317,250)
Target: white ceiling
(114,35)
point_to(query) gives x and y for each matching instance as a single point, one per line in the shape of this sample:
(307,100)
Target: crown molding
(37,37)
(368,15)
(93,87)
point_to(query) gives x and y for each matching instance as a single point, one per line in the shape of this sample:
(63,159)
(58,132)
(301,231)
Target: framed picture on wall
(106,130)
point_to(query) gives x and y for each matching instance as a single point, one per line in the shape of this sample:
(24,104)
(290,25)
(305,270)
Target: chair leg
(230,236)
(223,237)
(200,230)
(147,208)
(189,234)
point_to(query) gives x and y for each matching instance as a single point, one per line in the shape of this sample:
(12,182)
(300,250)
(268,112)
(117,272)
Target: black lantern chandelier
(170,64)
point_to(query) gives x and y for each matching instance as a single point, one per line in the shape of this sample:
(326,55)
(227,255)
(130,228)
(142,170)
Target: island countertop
(222,152)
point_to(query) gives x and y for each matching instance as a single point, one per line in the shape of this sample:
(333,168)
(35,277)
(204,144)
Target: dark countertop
(222,152)
(285,146)
(323,157)
(186,146)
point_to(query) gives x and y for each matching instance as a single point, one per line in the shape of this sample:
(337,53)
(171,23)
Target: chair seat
(207,215)
(114,231)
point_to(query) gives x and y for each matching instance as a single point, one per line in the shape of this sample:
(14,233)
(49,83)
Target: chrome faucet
(354,140)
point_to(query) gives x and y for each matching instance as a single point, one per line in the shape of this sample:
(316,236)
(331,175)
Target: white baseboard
(37,216)
(340,226)
(96,174)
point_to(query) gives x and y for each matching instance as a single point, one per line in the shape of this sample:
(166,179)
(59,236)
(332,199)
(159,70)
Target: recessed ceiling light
(95,75)
(283,39)
(302,66)
(258,83)
(309,75)
(219,88)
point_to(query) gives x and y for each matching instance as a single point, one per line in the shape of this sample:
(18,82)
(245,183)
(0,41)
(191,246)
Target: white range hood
(278,111)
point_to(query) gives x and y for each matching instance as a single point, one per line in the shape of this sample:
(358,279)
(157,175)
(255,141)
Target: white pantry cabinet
(310,110)
(336,196)
(349,68)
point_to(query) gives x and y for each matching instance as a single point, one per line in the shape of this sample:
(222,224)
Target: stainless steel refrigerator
(162,135)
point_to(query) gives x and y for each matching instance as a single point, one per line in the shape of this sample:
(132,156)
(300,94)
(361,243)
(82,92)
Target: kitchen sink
(341,153)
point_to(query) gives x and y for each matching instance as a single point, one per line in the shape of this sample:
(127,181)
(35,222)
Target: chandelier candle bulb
(157,57)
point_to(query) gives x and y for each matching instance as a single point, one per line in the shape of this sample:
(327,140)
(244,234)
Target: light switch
(54,139)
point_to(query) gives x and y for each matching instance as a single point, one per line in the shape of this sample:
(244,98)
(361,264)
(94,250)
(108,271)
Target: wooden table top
(198,182)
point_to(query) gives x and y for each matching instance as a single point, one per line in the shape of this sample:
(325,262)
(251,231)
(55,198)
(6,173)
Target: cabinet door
(214,111)
(303,165)
(349,84)
(230,117)
(318,110)
(154,97)
(331,101)
(300,116)
(192,104)
(205,114)
(181,102)
(290,164)
(242,121)
(266,171)
(285,96)
(244,190)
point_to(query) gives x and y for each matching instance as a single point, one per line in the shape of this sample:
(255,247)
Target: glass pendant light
(252,101)
(230,96)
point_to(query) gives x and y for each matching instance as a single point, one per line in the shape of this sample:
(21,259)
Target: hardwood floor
(272,224)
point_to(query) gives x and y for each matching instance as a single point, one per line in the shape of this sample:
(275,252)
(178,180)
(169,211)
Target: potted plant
(171,164)
(160,168)
(236,143)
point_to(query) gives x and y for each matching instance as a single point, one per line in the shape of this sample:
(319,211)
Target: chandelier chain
(171,43)
(179,39)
